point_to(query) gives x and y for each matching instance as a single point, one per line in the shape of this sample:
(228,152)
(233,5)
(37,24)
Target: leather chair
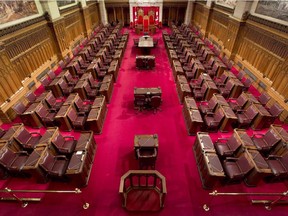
(213,120)
(77,119)
(240,75)
(91,93)
(19,108)
(30,97)
(66,90)
(69,79)
(275,110)
(239,103)
(266,142)
(236,169)
(53,103)
(64,145)
(100,73)
(247,83)
(13,161)
(51,75)
(47,116)
(27,140)
(2,132)
(245,117)
(45,82)
(53,165)
(279,166)
(205,107)
(155,103)
(226,90)
(140,102)
(81,106)
(147,157)
(228,147)
(264,98)
(199,93)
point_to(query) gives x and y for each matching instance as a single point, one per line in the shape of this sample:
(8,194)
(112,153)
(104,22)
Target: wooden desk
(229,118)
(145,142)
(30,116)
(244,139)
(193,121)
(210,170)
(62,118)
(183,90)
(203,144)
(261,118)
(148,92)
(96,119)
(261,168)
(211,89)
(145,61)
(189,103)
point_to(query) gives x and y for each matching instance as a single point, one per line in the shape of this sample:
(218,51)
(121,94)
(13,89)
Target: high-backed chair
(30,97)
(91,93)
(237,168)
(19,108)
(45,82)
(279,166)
(2,132)
(26,139)
(81,106)
(47,116)
(228,147)
(239,103)
(13,161)
(240,75)
(64,144)
(247,83)
(266,142)
(275,110)
(205,107)
(51,75)
(140,102)
(213,120)
(264,98)
(77,119)
(147,157)
(53,165)
(155,103)
(66,90)
(52,102)
(227,89)
(245,117)
(199,93)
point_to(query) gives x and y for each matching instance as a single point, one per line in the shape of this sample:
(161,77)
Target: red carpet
(115,156)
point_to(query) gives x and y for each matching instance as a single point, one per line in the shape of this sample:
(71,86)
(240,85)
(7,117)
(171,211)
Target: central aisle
(115,154)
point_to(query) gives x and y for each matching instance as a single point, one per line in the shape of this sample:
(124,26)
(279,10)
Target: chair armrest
(60,157)
(210,114)
(257,135)
(68,137)
(273,156)
(22,153)
(35,133)
(221,140)
(231,159)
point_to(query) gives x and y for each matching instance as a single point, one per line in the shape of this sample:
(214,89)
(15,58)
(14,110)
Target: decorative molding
(269,23)
(66,10)
(22,25)
(223,8)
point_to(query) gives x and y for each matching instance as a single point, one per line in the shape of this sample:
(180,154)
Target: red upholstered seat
(77,119)
(279,166)
(26,139)
(64,145)
(264,98)
(265,142)
(228,147)
(30,97)
(213,120)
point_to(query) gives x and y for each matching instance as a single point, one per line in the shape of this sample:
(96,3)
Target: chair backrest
(62,84)
(47,162)
(244,164)
(51,74)
(247,83)
(72,115)
(7,157)
(30,96)
(51,100)
(229,86)
(275,110)
(251,113)
(241,100)
(264,98)
(78,103)
(240,75)
(271,138)
(155,101)
(58,141)
(42,112)
(19,108)
(212,103)
(233,143)
(218,116)
(23,136)
(45,81)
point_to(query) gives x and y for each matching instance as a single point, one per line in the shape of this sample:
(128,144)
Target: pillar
(189,11)
(103,12)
